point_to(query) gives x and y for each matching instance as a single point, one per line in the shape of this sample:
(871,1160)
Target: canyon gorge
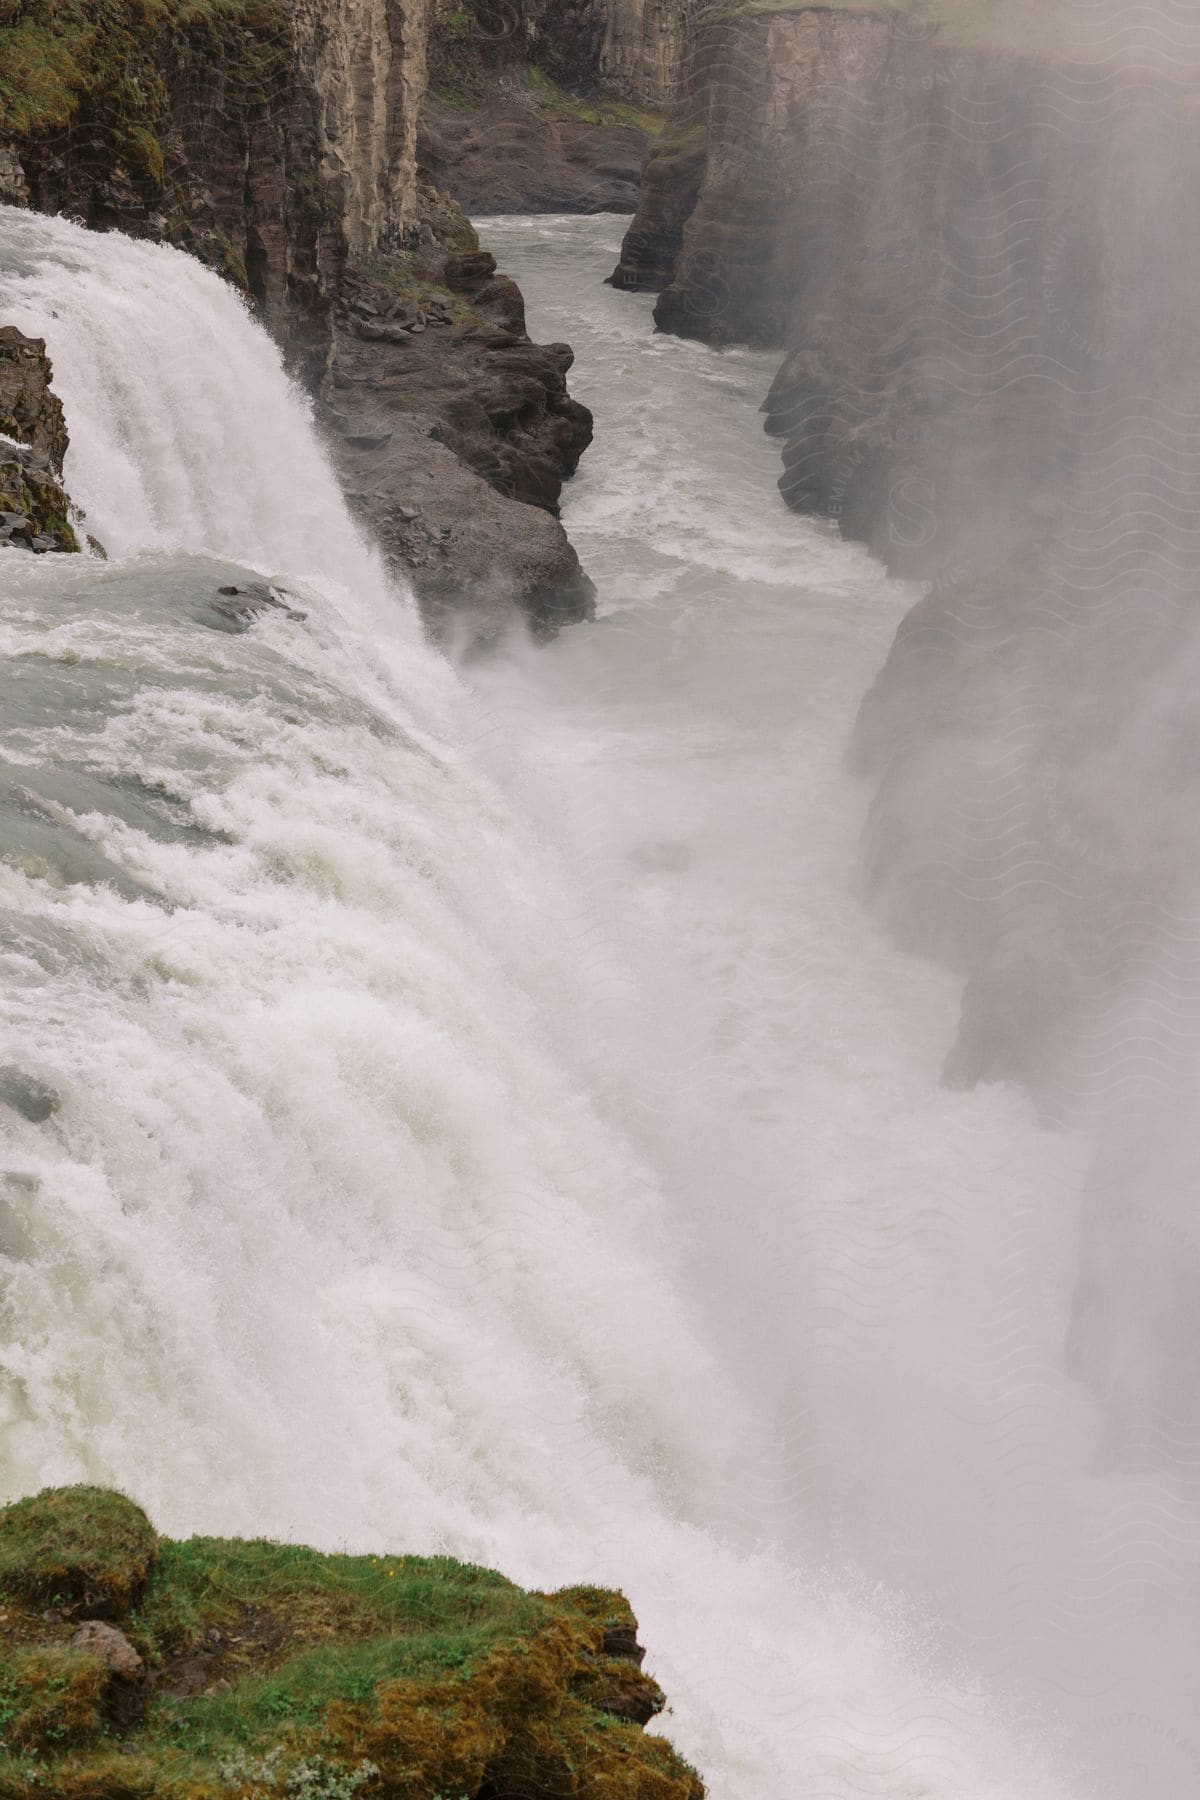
(871,916)
(975,237)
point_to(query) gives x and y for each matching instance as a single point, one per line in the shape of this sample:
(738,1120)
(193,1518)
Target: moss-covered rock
(276,1671)
(105,64)
(78,1549)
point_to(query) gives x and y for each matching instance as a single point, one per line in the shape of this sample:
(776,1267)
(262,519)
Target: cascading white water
(587,1208)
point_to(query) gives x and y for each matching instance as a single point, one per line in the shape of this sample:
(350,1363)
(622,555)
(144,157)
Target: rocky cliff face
(642,51)
(710,233)
(34,511)
(1015,419)
(549,105)
(982,264)
(194,126)
(633,48)
(276,140)
(367,60)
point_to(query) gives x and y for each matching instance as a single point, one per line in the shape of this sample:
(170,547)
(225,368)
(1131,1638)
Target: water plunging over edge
(386,1175)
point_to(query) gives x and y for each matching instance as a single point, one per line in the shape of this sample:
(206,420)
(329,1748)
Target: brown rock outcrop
(34,510)
(453,434)
(29,410)
(514,154)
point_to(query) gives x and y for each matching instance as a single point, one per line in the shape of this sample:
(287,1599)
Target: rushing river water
(484,1118)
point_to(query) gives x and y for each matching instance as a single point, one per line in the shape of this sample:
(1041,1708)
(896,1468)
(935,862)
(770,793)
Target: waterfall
(366,1179)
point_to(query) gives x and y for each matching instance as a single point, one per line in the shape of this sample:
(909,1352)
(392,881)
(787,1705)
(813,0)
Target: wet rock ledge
(442,413)
(134,1667)
(34,510)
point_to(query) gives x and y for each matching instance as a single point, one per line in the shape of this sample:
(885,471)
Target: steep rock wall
(643,48)
(367,64)
(34,511)
(967,251)
(634,48)
(274,139)
(195,126)
(982,264)
(549,105)
(711,234)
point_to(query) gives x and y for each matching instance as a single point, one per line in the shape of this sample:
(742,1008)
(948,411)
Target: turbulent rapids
(481,1118)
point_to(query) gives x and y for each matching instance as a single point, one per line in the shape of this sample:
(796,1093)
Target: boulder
(124,1701)
(26,1095)
(96,1638)
(76,1549)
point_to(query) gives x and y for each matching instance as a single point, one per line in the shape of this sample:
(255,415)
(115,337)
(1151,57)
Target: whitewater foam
(405,1189)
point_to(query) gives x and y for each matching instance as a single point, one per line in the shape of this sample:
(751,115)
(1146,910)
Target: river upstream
(476,1112)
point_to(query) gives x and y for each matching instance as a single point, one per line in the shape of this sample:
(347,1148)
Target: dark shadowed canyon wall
(548,105)
(632,48)
(976,236)
(980,264)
